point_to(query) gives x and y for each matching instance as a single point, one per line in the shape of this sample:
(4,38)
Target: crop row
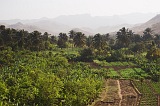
(111,73)
(134,73)
(148,96)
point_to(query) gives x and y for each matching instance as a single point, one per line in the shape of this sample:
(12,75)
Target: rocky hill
(153,23)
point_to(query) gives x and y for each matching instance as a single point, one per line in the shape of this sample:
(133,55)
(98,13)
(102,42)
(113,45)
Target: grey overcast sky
(33,9)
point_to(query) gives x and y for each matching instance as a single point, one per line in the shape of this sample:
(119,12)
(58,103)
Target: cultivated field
(127,90)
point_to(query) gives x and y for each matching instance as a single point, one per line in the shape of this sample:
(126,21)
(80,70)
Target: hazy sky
(32,9)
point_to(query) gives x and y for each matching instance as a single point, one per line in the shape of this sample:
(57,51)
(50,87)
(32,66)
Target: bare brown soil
(158,100)
(117,93)
(110,95)
(129,95)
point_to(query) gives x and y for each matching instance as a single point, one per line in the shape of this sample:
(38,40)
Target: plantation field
(128,93)
(97,83)
(72,69)
(117,93)
(137,92)
(126,70)
(149,92)
(78,77)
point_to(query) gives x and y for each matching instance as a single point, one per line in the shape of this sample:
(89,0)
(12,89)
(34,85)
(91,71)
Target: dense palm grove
(45,70)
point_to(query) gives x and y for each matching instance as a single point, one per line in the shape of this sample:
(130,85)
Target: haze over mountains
(153,23)
(87,24)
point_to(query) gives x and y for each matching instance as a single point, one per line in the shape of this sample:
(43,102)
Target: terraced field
(149,96)
(129,95)
(127,92)
(117,93)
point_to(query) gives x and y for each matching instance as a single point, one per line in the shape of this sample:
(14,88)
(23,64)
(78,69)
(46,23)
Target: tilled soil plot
(117,93)
(110,95)
(129,95)
(159,100)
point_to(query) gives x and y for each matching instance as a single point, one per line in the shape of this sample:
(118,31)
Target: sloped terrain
(153,23)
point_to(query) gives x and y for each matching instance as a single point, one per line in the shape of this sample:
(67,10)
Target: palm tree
(79,39)
(124,37)
(2,27)
(147,34)
(1,43)
(157,40)
(72,34)
(62,40)
(36,40)
(53,39)
(46,36)
(100,41)
(7,36)
(97,41)
(106,37)
(89,42)
(20,38)
(136,38)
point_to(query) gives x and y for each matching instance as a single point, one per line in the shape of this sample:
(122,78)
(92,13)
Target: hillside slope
(153,23)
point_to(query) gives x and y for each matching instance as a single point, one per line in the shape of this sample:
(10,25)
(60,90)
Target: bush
(86,55)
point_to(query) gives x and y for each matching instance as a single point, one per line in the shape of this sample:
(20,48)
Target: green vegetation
(133,73)
(45,79)
(155,86)
(111,73)
(105,63)
(149,97)
(47,70)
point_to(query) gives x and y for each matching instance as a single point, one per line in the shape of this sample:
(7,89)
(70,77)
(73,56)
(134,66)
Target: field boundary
(137,91)
(158,96)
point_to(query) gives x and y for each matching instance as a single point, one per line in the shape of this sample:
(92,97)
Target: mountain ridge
(84,22)
(153,23)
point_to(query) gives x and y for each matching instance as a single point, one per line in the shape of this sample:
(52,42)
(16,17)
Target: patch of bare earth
(110,95)
(159,100)
(129,95)
(117,93)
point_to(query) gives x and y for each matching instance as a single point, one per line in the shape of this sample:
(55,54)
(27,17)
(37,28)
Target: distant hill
(86,20)
(29,28)
(42,26)
(153,23)
(107,29)
(85,23)
(156,28)
(52,26)
(83,31)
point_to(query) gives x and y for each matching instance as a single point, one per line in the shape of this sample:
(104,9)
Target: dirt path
(159,100)
(119,92)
